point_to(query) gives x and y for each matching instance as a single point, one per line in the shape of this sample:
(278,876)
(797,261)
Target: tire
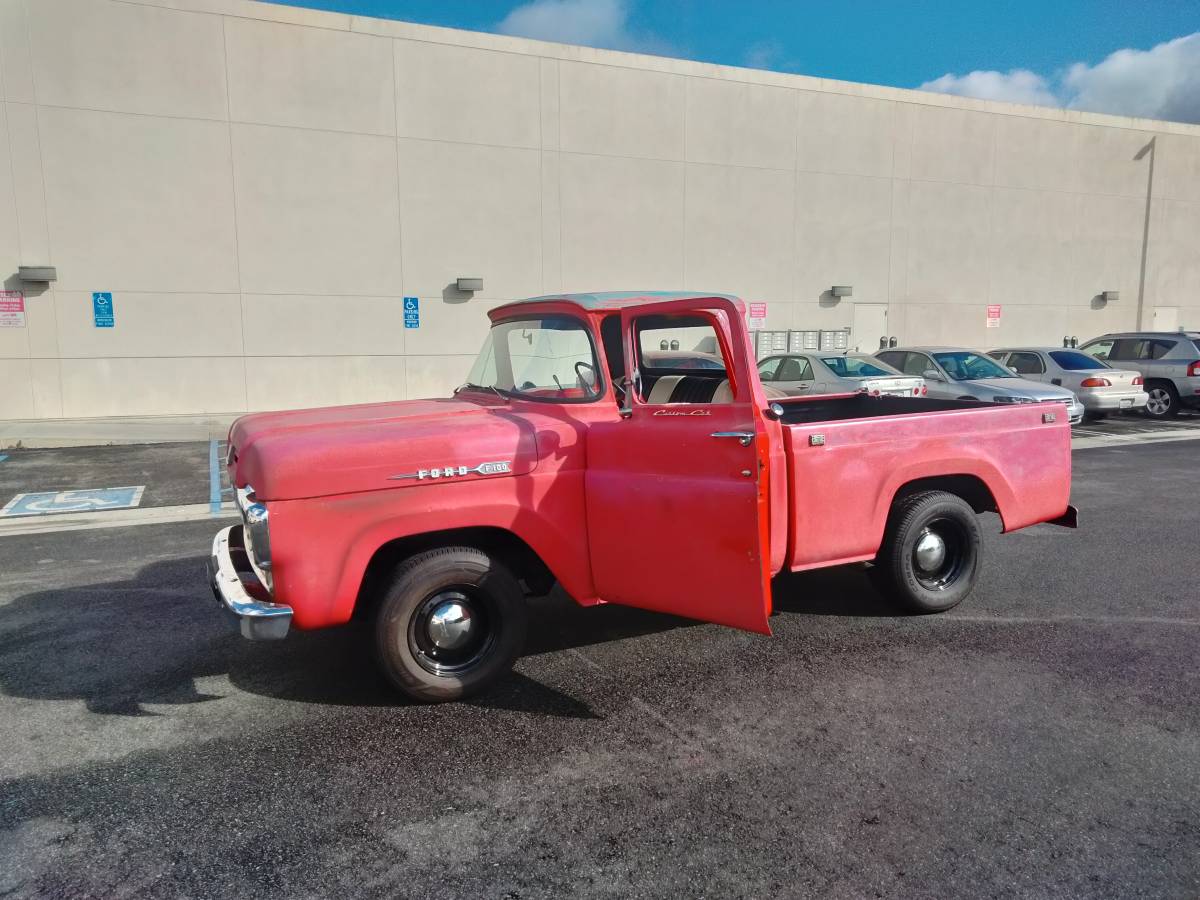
(452,622)
(938,585)
(1094,416)
(1163,402)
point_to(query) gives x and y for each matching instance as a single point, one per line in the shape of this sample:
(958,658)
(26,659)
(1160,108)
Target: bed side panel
(844,475)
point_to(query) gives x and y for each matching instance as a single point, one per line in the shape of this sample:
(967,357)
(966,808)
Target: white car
(798,374)
(1100,387)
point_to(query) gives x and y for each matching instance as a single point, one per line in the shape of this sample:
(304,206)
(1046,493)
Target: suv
(1168,360)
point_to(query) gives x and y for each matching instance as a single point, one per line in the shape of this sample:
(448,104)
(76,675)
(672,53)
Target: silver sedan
(959,374)
(799,374)
(1100,387)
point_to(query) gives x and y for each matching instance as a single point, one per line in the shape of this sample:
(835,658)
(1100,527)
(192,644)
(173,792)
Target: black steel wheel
(929,560)
(452,622)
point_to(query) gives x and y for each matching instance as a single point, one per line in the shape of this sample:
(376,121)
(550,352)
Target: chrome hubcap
(450,624)
(452,631)
(930,551)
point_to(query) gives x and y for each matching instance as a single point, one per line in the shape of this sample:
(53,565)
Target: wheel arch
(521,559)
(971,488)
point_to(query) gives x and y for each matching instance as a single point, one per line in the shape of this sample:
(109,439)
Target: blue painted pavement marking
(214,479)
(3,457)
(48,503)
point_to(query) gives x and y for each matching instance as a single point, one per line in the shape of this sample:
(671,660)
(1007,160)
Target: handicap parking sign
(47,503)
(412,312)
(102,310)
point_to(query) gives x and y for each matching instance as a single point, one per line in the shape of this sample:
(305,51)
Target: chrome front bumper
(235,585)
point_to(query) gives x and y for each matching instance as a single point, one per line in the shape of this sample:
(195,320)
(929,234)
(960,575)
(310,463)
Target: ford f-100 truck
(578,453)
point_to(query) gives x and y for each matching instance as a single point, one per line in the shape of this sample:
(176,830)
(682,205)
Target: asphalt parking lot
(1043,739)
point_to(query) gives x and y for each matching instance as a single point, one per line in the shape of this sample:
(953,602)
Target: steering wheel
(590,383)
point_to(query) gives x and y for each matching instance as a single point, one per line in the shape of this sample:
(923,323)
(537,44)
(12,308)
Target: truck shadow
(838,591)
(157,639)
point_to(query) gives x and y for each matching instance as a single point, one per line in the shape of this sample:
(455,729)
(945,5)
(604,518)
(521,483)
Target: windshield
(547,358)
(854,367)
(1073,360)
(963,365)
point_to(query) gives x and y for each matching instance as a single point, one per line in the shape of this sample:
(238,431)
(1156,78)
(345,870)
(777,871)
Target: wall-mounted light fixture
(37,274)
(469,285)
(1110,296)
(842,290)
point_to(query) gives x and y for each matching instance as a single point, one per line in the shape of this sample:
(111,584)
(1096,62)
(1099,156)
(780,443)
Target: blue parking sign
(412,312)
(102,310)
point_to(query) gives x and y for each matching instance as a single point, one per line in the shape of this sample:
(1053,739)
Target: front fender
(322,546)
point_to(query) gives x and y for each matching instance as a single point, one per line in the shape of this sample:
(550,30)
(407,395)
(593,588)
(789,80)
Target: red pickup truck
(578,452)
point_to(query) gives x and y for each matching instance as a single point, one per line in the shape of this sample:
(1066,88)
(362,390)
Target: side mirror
(932,375)
(775,410)
(1013,369)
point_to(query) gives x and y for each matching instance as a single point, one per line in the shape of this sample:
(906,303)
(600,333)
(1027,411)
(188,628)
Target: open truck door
(676,489)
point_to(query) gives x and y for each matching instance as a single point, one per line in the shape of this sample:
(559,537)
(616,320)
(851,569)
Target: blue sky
(1137,57)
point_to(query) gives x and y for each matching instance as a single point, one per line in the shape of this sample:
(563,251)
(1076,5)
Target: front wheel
(929,560)
(451,623)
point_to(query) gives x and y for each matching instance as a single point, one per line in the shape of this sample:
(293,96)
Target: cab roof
(613,300)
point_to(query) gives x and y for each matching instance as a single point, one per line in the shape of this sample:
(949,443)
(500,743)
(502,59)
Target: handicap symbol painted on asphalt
(47,503)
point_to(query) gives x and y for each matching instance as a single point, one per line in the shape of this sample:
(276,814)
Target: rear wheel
(929,560)
(1164,400)
(451,623)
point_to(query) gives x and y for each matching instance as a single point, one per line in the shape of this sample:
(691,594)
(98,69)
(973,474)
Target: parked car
(567,457)
(797,374)
(958,374)
(1168,360)
(1100,387)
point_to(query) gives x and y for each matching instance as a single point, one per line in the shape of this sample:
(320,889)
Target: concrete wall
(260,186)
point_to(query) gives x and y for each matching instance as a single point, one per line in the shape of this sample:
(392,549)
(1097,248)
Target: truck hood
(370,447)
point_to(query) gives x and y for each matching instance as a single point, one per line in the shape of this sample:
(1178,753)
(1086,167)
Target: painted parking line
(1092,441)
(48,503)
(214,479)
(117,518)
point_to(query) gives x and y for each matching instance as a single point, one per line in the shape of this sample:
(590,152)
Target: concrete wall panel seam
(237,244)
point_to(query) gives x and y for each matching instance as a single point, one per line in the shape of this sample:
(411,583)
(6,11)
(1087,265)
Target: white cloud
(1160,83)
(592,23)
(1017,86)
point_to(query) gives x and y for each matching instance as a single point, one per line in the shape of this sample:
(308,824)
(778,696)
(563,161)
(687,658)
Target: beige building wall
(259,186)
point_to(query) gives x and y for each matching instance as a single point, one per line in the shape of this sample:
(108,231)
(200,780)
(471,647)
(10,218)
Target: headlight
(1007,399)
(258,533)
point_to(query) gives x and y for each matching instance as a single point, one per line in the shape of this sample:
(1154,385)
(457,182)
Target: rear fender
(944,474)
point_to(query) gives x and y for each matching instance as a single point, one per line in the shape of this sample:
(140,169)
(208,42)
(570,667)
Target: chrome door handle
(745,438)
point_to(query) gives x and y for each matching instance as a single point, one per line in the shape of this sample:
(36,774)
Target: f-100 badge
(487,468)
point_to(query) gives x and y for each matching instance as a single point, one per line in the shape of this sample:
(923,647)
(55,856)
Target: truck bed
(837,407)
(848,457)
